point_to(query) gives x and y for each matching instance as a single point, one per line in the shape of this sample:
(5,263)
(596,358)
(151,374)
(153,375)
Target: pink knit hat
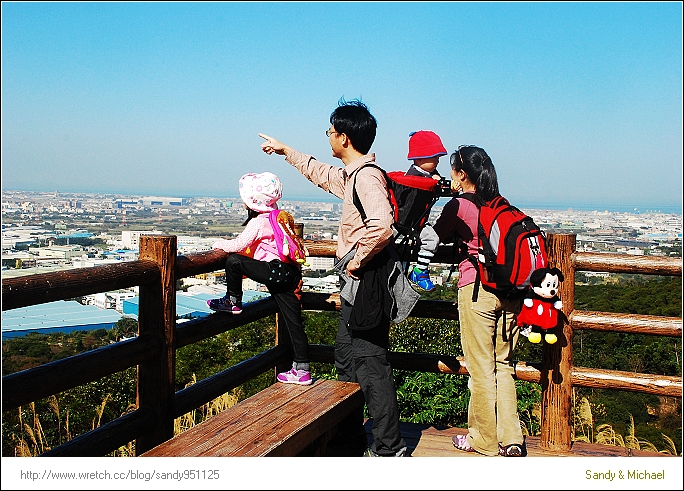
(424,144)
(260,192)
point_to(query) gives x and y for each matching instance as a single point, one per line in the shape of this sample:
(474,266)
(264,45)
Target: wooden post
(299,229)
(556,372)
(157,318)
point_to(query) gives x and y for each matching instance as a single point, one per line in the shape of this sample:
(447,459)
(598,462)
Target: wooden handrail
(526,371)
(629,323)
(199,262)
(36,383)
(626,263)
(196,330)
(62,285)
(107,437)
(212,387)
(661,385)
(437,309)
(159,337)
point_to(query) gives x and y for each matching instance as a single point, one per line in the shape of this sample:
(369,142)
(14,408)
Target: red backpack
(510,248)
(411,198)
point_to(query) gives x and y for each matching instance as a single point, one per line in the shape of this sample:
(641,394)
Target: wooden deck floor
(429,441)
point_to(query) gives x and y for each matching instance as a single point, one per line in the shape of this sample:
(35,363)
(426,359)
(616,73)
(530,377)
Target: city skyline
(578,104)
(30,208)
(328,198)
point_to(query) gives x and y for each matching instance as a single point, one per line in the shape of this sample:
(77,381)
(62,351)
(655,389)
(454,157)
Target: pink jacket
(460,216)
(256,240)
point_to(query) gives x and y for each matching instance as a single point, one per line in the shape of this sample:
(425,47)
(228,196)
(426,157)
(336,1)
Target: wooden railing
(153,351)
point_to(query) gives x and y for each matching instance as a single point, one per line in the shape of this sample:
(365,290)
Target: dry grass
(206,411)
(585,431)
(32,441)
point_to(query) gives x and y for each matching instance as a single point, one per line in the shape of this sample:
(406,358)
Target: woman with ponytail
(488,344)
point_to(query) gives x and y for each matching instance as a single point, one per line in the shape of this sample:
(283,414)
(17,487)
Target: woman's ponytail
(487,185)
(479,168)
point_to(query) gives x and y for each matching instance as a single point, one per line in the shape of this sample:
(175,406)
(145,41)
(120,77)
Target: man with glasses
(360,355)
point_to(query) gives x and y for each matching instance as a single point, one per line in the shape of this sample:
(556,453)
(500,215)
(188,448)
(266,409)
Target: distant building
(60,316)
(635,243)
(131,238)
(188,244)
(126,203)
(57,251)
(320,263)
(109,300)
(327,284)
(190,305)
(23,236)
(163,201)
(250,284)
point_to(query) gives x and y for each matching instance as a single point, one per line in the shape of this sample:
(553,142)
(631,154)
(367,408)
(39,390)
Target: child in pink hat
(254,254)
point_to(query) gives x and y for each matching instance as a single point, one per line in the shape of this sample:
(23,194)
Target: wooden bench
(282,420)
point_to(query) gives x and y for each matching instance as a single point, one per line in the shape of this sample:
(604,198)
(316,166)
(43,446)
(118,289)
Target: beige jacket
(368,238)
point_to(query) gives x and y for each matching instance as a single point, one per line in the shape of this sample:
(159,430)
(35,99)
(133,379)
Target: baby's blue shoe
(421,279)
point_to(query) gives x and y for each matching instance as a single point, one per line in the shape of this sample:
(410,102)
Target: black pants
(281,279)
(361,356)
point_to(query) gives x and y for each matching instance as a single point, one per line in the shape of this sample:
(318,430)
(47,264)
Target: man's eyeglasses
(328,133)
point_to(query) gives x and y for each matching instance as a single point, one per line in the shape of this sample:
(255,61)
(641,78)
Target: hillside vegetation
(423,397)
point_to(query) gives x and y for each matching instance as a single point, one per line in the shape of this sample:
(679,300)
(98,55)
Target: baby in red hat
(425,149)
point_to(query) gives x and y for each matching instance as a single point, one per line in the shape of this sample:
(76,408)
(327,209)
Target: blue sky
(578,104)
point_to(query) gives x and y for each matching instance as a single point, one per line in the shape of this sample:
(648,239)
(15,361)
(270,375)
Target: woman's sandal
(461,443)
(513,450)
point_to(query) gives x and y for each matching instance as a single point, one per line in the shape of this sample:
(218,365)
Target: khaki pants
(492,410)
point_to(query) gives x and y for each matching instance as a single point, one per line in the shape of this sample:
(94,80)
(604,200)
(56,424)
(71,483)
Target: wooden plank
(301,421)
(280,420)
(430,441)
(210,433)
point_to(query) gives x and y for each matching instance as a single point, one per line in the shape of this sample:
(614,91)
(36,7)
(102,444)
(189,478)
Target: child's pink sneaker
(294,376)
(225,304)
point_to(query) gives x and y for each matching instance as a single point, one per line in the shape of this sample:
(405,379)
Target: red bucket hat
(424,144)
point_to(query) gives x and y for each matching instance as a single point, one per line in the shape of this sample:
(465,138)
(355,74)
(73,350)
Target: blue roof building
(60,316)
(190,305)
(69,315)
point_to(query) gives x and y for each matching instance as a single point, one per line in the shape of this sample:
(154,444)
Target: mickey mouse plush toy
(540,307)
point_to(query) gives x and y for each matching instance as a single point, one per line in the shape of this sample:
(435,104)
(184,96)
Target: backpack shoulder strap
(473,198)
(461,248)
(277,231)
(357,200)
(290,246)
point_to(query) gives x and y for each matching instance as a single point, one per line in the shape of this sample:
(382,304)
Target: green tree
(653,416)
(126,327)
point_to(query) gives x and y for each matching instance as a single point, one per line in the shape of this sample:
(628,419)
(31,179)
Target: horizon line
(637,208)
